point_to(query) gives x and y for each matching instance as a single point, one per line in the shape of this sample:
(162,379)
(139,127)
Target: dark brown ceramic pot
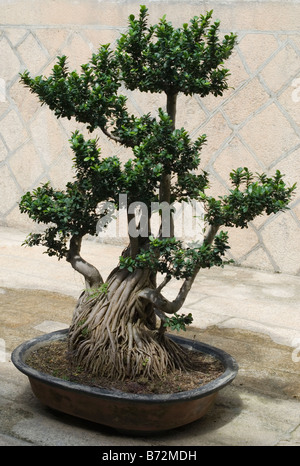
(125,412)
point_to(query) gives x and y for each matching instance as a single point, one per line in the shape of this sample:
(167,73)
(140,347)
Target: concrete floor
(253,315)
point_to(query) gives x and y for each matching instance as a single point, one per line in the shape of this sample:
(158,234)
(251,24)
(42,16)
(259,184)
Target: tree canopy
(165,163)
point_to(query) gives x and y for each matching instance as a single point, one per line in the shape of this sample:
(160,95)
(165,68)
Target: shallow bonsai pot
(126,412)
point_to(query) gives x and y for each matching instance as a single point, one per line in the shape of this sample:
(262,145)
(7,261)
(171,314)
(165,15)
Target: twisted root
(111,334)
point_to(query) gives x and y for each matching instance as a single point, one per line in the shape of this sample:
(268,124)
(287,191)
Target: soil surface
(53,360)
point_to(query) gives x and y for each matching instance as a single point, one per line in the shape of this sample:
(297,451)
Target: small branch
(171,107)
(165,188)
(110,136)
(210,236)
(165,197)
(160,314)
(163,283)
(155,297)
(91,274)
(165,183)
(134,242)
(161,303)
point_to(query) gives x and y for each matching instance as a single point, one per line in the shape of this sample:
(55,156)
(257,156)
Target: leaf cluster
(251,196)
(73,211)
(161,58)
(90,97)
(178,322)
(168,151)
(157,58)
(169,257)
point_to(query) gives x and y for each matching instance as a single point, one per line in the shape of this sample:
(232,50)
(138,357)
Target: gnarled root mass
(113,333)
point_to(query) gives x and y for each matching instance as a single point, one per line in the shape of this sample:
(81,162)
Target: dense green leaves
(252,196)
(90,97)
(178,322)
(172,149)
(163,150)
(169,257)
(161,58)
(156,58)
(97,177)
(74,211)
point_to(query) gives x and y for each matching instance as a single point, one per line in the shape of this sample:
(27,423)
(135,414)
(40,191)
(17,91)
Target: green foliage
(161,58)
(169,257)
(91,96)
(178,322)
(163,150)
(95,292)
(250,197)
(73,211)
(157,58)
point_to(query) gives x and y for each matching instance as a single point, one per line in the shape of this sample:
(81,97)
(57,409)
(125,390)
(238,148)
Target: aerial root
(109,335)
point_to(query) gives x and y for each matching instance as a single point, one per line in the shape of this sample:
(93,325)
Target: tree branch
(165,183)
(210,235)
(134,241)
(110,136)
(92,276)
(163,283)
(163,304)
(171,107)
(160,302)
(171,307)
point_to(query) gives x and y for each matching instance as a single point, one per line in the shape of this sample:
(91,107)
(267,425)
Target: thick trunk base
(113,333)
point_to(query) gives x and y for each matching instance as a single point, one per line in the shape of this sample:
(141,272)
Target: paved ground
(253,315)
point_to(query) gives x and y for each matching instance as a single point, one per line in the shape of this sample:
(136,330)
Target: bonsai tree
(119,326)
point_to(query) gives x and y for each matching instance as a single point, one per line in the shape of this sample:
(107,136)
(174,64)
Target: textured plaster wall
(255,124)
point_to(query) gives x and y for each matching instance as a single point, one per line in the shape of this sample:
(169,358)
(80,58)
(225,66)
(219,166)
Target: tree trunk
(113,333)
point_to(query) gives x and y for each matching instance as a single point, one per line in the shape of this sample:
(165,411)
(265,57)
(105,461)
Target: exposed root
(112,334)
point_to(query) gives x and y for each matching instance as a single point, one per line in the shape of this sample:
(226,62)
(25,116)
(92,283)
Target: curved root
(112,334)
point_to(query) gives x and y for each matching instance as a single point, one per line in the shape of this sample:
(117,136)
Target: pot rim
(18,358)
